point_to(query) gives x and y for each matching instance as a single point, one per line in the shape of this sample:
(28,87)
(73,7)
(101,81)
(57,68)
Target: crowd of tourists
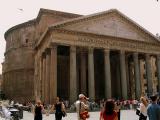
(110,109)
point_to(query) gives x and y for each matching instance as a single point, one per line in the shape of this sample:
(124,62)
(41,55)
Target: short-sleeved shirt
(153,112)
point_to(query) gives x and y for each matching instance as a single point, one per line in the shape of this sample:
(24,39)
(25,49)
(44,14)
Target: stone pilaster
(53,75)
(91,81)
(108,89)
(158,72)
(137,75)
(83,73)
(149,74)
(123,75)
(73,73)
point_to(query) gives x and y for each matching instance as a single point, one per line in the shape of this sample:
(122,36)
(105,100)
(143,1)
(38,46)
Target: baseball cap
(83,96)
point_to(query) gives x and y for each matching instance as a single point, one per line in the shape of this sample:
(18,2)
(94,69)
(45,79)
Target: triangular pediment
(111,23)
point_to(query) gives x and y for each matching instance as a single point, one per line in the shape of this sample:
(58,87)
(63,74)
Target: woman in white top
(143,109)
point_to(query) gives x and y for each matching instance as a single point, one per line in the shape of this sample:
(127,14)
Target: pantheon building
(102,55)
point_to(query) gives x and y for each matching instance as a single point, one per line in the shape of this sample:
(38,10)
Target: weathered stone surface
(18,67)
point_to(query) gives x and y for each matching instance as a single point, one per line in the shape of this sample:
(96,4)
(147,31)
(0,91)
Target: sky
(12,12)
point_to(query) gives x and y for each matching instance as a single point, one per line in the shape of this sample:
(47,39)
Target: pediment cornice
(92,17)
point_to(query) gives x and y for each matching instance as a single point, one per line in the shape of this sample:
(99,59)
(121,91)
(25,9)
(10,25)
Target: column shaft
(108,90)
(137,75)
(123,74)
(158,72)
(83,73)
(73,73)
(47,82)
(53,75)
(40,78)
(91,82)
(43,78)
(149,74)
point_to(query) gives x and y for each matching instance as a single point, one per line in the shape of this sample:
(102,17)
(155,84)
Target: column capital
(72,48)
(147,54)
(54,46)
(135,53)
(122,52)
(83,50)
(90,49)
(106,50)
(158,56)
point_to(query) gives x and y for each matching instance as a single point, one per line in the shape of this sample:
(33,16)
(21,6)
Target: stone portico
(97,54)
(101,55)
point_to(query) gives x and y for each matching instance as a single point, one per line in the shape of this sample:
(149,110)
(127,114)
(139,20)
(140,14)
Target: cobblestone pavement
(125,115)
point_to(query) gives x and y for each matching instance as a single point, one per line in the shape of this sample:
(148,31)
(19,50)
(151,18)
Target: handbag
(137,112)
(142,117)
(84,115)
(64,114)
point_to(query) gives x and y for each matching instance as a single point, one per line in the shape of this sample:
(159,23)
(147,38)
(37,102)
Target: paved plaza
(125,115)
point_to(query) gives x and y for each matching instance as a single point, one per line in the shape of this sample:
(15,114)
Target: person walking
(108,112)
(82,107)
(59,108)
(153,109)
(143,109)
(38,110)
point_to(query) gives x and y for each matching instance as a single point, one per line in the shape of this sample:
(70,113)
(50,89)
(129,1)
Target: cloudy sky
(13,12)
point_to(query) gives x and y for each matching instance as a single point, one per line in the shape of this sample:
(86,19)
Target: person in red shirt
(108,112)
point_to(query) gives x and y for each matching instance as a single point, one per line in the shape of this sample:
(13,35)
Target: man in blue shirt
(153,109)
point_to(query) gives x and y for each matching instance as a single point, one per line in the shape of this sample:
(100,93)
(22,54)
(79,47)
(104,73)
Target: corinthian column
(47,87)
(158,72)
(83,73)
(53,75)
(40,77)
(73,73)
(137,75)
(43,77)
(108,90)
(123,74)
(149,74)
(91,82)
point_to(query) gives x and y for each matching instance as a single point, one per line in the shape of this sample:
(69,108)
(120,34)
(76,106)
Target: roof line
(75,20)
(41,11)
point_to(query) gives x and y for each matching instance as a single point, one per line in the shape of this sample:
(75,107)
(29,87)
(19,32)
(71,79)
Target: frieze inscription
(106,42)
